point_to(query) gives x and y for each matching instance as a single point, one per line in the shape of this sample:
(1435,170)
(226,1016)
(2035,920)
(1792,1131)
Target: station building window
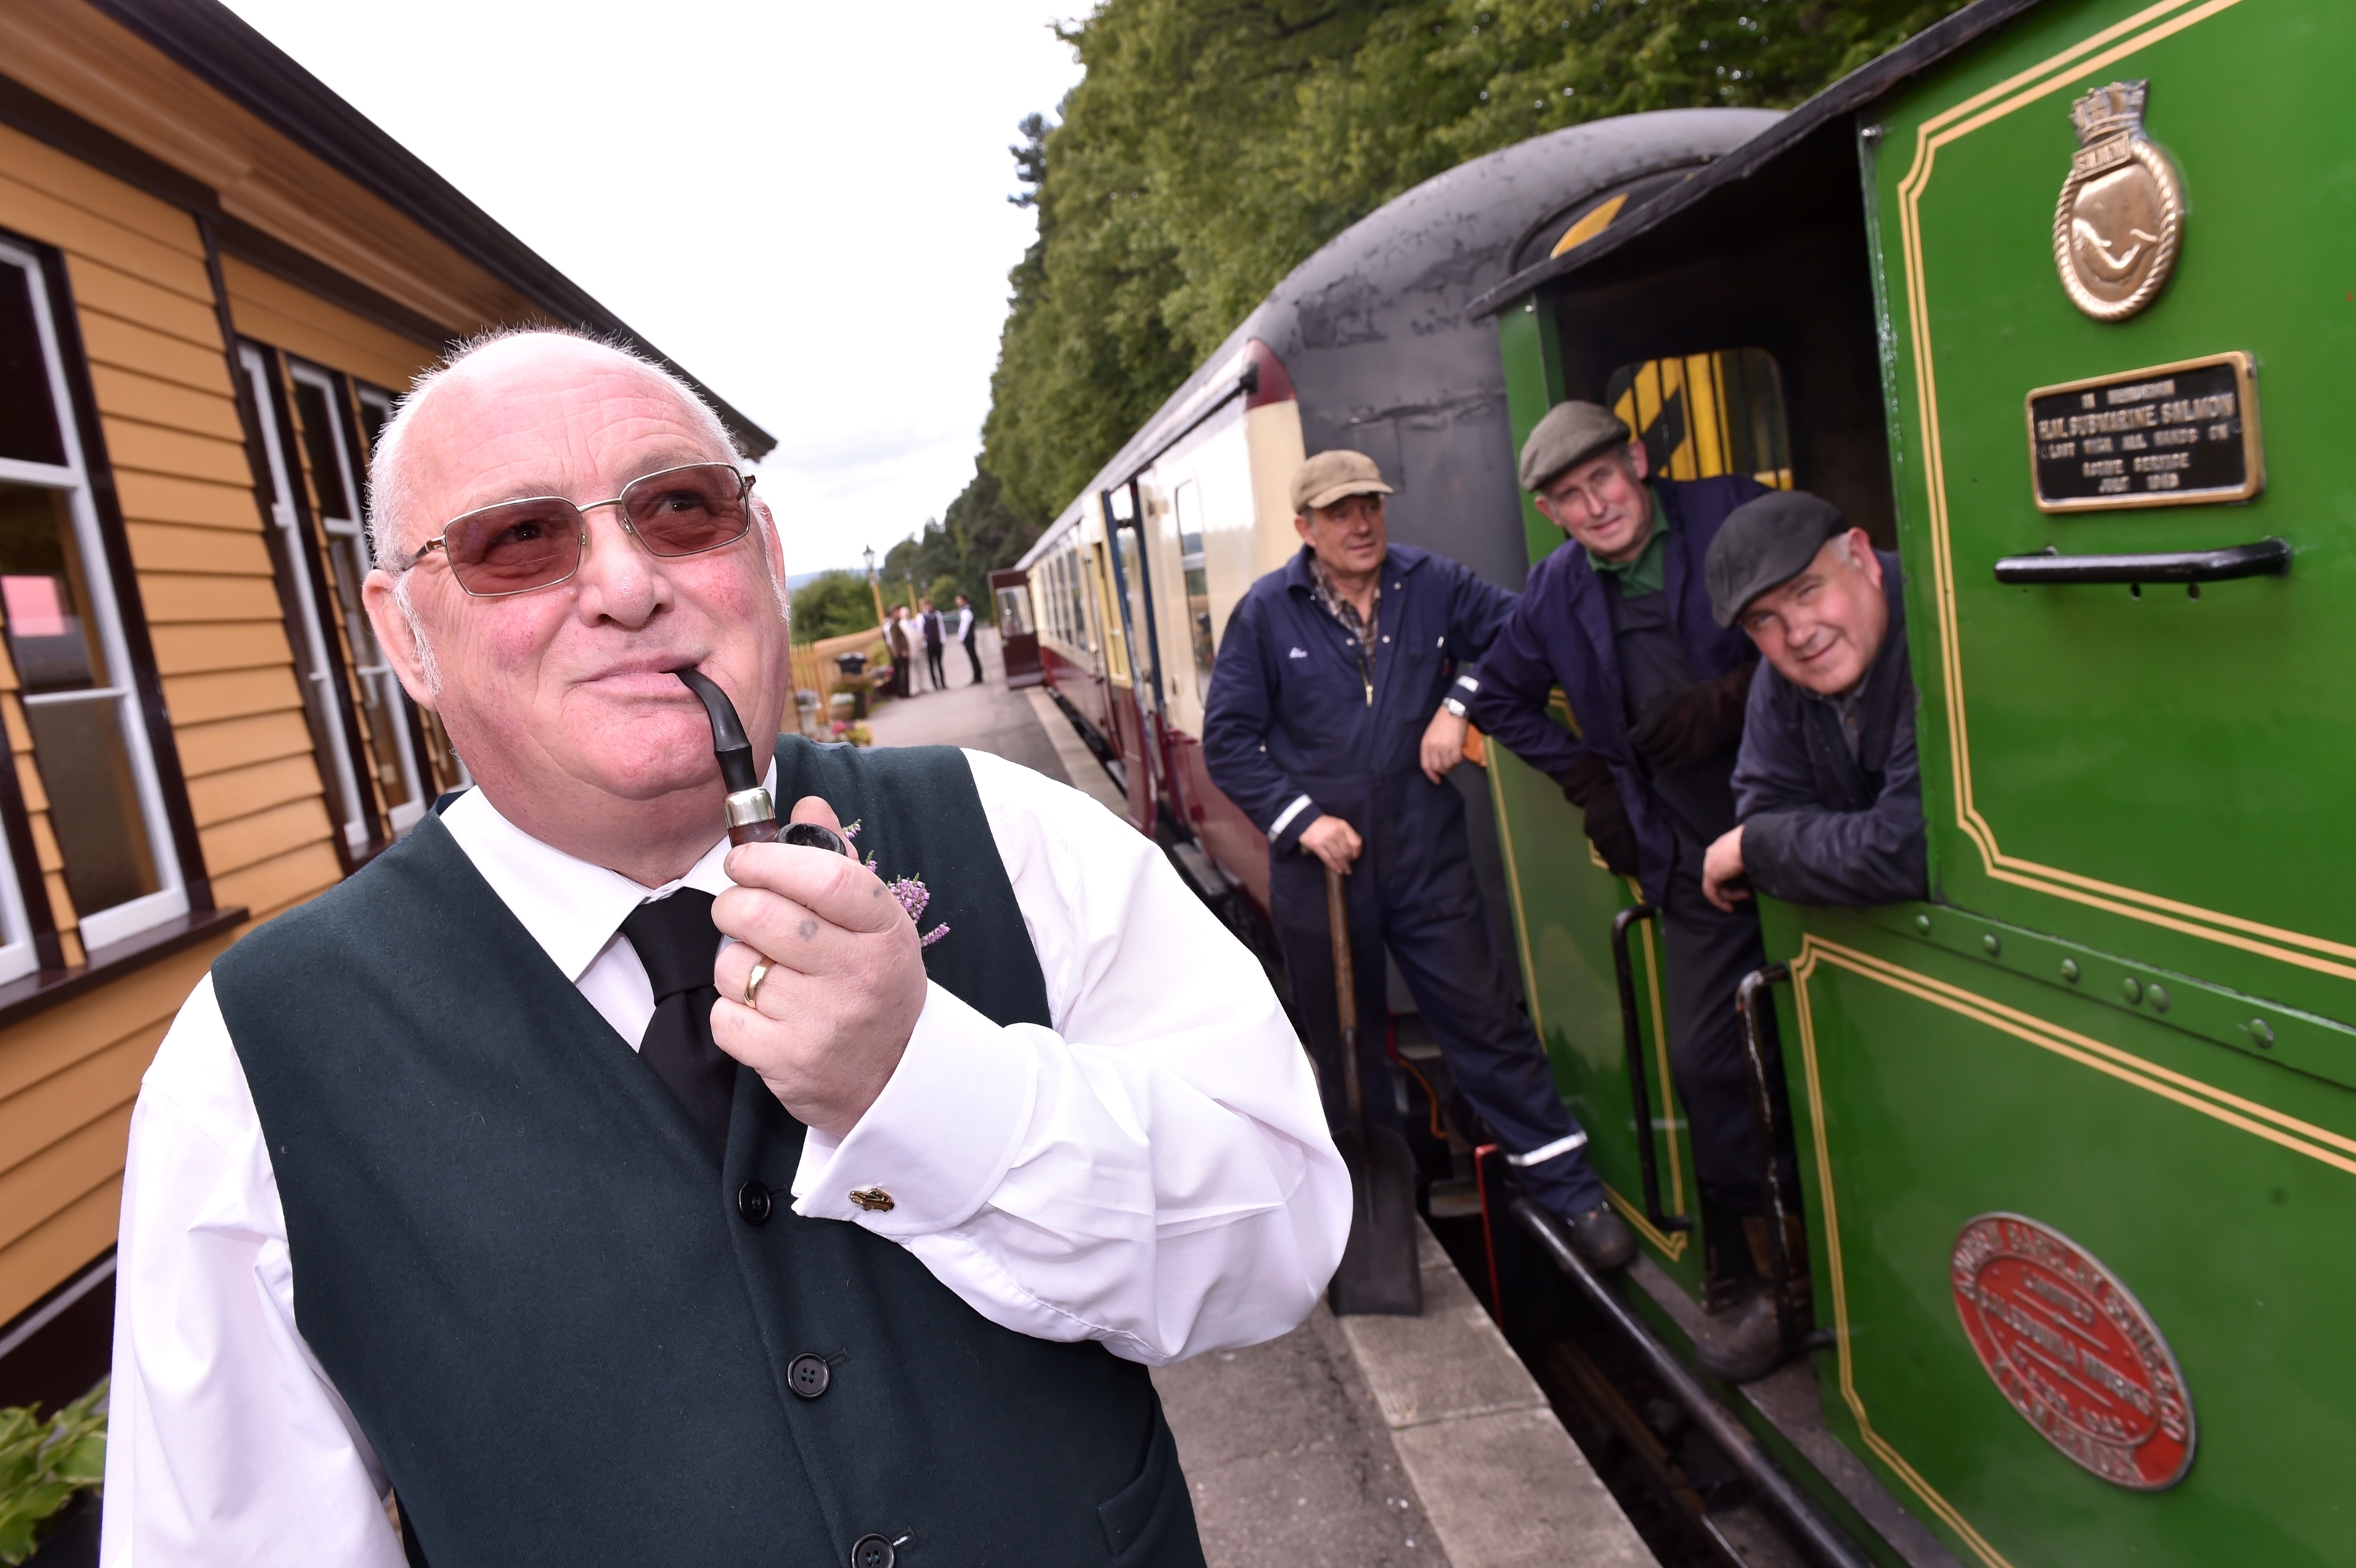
(87,799)
(1701,415)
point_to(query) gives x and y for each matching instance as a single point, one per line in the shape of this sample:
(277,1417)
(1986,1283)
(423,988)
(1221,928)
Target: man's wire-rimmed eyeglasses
(515,547)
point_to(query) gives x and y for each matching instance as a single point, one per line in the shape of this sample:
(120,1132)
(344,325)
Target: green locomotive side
(2126,1015)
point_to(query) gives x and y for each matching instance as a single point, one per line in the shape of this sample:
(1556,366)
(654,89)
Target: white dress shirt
(1154,1171)
(965,621)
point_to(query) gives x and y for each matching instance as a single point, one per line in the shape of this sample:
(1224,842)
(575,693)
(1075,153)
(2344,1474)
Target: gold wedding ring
(753,984)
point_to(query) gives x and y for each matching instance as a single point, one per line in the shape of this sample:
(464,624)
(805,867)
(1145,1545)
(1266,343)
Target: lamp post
(874,587)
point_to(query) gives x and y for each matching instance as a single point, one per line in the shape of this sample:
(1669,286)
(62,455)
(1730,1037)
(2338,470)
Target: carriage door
(320,413)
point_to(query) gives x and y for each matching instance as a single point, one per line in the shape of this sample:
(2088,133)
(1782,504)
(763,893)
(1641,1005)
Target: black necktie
(677,941)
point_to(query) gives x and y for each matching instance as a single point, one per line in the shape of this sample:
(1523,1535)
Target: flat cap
(1330,475)
(1568,435)
(1764,543)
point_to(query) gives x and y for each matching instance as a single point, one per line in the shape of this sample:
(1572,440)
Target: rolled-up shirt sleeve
(1153,1170)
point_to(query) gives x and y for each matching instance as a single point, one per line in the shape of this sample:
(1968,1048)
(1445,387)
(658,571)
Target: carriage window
(1189,503)
(80,751)
(1701,415)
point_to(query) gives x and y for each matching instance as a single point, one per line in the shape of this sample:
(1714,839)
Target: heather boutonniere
(910,891)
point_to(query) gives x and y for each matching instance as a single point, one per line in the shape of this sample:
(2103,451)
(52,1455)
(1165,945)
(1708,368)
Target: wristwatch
(1454,707)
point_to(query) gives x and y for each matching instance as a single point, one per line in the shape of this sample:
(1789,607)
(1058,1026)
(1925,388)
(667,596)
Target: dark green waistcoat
(549,1312)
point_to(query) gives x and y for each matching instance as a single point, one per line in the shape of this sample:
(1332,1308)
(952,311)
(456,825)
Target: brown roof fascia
(219,47)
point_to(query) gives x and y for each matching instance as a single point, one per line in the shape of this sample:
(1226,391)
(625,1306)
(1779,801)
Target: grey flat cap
(1568,435)
(1764,543)
(1331,475)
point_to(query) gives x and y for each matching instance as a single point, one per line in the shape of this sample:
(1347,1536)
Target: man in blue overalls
(1621,619)
(1336,711)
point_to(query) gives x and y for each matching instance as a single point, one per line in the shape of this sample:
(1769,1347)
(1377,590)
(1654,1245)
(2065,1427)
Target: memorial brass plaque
(2171,435)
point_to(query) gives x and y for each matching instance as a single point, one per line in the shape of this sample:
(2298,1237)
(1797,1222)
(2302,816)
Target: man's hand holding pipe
(845,983)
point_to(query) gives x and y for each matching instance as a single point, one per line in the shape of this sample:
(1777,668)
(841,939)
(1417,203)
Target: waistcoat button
(873,1551)
(808,1375)
(753,1203)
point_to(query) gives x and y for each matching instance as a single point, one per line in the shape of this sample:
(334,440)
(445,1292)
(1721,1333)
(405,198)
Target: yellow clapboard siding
(276,884)
(184,650)
(141,1003)
(130,297)
(178,598)
(111,340)
(40,167)
(202,698)
(278,313)
(54,1177)
(128,395)
(174,547)
(155,449)
(240,792)
(261,836)
(79,232)
(207,749)
(104,1080)
(28,784)
(59,1246)
(45,841)
(169,498)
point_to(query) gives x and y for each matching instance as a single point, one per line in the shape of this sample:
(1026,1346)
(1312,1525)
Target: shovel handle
(1345,997)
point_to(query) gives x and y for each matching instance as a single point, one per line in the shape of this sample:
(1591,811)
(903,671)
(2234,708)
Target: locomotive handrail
(2268,558)
(1639,1096)
(1824,1540)
(1762,1105)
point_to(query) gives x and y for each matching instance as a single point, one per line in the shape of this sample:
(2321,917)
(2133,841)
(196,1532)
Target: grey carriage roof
(1415,265)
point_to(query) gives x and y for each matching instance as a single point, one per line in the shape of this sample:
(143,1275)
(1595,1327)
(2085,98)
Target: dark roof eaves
(219,47)
(1869,82)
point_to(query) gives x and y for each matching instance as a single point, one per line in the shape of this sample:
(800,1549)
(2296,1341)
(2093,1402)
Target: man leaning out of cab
(1826,787)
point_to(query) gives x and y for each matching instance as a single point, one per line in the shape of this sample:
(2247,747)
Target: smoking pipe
(752,814)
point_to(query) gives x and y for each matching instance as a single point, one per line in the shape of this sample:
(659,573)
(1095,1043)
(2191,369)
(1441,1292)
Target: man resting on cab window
(1826,785)
(493,1179)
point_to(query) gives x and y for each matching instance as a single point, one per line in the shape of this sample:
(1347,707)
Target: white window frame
(377,676)
(97,928)
(353,811)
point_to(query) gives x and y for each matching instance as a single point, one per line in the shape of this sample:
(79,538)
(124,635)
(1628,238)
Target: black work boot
(1602,1239)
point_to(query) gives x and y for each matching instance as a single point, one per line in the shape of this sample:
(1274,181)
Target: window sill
(37,992)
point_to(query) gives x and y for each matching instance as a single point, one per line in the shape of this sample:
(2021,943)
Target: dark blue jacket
(1288,733)
(1820,827)
(1561,635)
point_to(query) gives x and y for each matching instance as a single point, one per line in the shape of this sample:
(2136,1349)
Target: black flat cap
(1764,543)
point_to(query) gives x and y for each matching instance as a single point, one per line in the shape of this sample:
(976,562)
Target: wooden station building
(215,277)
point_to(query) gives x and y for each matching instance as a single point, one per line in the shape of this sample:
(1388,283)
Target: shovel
(1379,1272)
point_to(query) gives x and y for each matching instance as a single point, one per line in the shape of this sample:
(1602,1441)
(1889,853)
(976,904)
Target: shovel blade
(1380,1275)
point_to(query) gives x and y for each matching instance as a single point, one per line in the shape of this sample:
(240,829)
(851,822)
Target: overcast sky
(804,204)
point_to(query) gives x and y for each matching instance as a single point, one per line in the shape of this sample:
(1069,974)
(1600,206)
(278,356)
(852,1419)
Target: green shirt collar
(1649,572)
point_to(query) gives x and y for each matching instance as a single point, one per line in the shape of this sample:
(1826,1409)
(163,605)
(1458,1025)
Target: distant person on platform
(1826,787)
(903,653)
(1336,711)
(965,634)
(494,1180)
(1619,619)
(930,620)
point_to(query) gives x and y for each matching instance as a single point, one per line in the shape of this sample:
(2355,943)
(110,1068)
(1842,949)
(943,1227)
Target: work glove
(1588,785)
(1682,729)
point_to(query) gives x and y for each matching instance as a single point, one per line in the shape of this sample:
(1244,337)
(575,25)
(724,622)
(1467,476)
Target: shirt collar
(1648,572)
(571,908)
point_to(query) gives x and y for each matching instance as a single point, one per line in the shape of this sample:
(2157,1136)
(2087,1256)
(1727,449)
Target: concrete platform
(1351,1443)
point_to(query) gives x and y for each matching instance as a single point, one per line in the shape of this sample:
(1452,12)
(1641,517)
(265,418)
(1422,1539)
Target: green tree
(981,531)
(833,604)
(1209,148)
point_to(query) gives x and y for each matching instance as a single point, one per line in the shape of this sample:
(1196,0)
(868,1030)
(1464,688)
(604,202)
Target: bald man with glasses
(599,1192)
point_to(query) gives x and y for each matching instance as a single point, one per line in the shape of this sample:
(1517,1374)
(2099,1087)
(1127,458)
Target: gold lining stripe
(2042,81)
(2245,1115)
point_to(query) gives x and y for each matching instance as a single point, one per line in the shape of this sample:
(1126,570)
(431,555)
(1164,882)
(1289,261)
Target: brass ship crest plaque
(2120,215)
(2074,1352)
